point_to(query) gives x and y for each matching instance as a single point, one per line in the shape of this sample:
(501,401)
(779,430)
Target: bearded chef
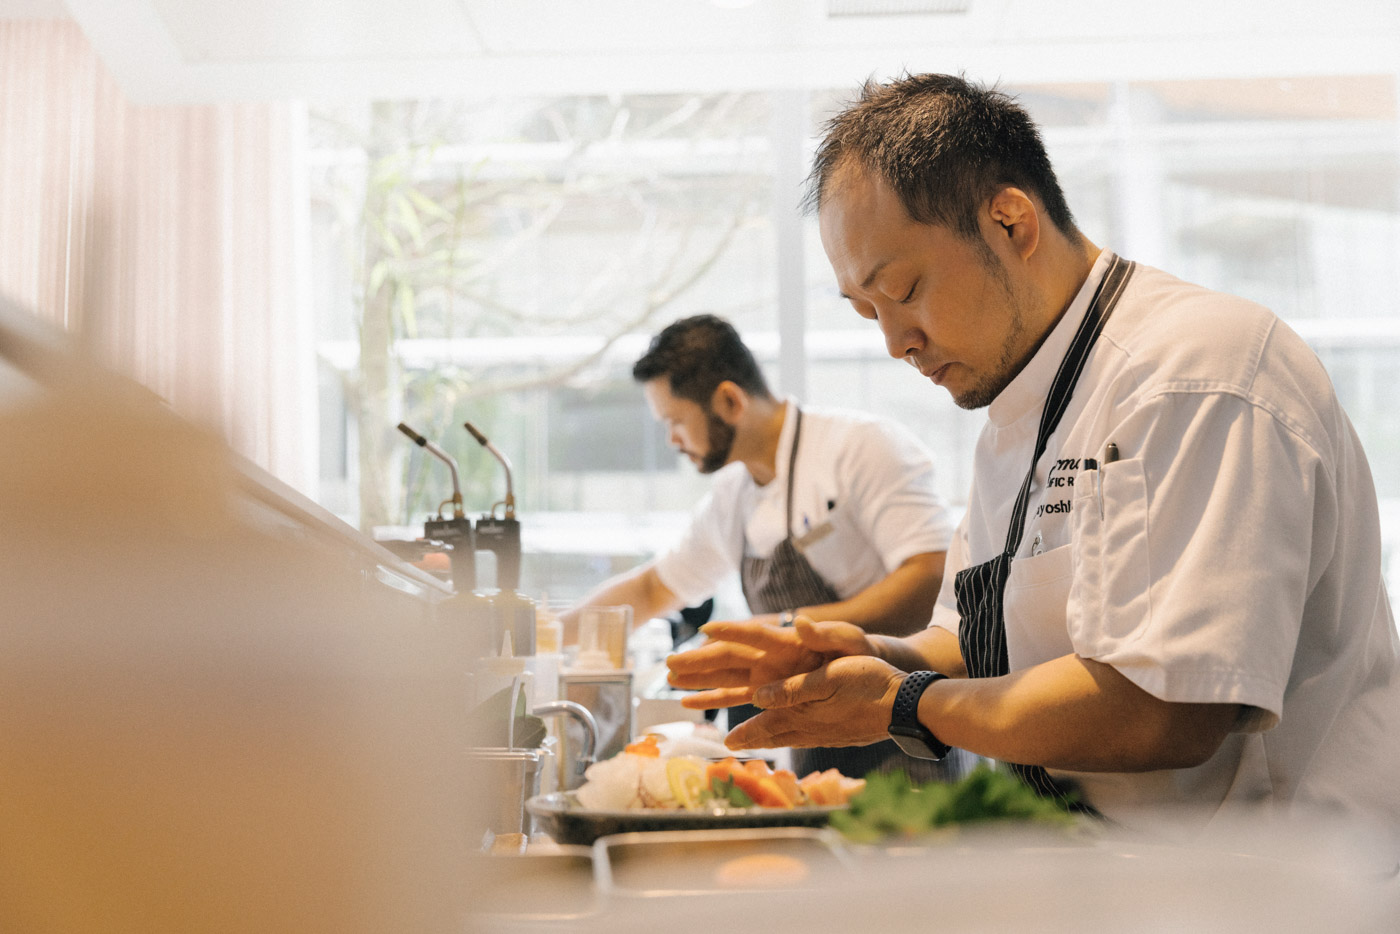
(824,514)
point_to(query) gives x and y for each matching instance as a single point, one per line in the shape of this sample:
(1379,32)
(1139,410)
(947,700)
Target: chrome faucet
(584,717)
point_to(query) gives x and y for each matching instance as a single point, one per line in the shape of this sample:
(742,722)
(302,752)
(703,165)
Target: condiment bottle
(496,673)
(515,614)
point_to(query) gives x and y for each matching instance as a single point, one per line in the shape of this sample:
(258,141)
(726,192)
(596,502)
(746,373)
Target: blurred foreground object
(212,716)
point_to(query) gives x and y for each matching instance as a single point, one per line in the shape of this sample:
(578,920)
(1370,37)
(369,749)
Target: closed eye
(912,289)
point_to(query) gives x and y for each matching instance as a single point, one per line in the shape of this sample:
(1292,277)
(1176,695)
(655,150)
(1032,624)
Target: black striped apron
(980,589)
(786,580)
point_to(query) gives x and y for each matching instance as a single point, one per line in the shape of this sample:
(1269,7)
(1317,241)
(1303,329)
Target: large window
(502,264)
(505,262)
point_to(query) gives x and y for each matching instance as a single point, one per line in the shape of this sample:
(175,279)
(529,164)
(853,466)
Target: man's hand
(844,703)
(742,655)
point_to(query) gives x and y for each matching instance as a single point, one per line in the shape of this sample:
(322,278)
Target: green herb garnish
(725,791)
(892,806)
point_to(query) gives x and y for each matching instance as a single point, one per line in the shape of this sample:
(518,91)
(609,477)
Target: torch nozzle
(446,458)
(505,462)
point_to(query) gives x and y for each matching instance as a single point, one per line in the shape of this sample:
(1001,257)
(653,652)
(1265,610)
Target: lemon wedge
(686,777)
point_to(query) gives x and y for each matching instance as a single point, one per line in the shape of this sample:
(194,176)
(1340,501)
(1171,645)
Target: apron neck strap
(1106,295)
(792,463)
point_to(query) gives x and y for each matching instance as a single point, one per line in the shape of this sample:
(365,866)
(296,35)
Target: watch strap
(904,717)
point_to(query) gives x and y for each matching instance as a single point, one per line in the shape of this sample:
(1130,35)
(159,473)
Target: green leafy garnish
(892,806)
(724,790)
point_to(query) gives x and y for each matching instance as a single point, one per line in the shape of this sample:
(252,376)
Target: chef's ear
(1014,220)
(729,401)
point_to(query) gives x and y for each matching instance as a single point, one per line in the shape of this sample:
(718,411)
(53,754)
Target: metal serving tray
(704,862)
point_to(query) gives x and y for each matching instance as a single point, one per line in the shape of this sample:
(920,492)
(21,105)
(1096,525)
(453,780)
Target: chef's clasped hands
(818,682)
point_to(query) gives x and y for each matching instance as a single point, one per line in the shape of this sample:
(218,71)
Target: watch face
(915,746)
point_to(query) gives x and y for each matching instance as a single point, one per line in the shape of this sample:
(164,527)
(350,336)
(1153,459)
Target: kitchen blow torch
(500,535)
(456,531)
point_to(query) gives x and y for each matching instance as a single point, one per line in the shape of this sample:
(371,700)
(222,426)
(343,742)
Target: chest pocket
(1037,594)
(826,539)
(1112,589)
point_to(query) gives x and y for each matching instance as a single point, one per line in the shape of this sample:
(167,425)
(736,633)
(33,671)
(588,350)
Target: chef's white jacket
(864,502)
(1231,555)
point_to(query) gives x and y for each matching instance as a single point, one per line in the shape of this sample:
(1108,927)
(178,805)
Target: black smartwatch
(912,736)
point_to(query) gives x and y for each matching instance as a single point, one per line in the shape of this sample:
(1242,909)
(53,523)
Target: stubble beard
(719,439)
(1012,359)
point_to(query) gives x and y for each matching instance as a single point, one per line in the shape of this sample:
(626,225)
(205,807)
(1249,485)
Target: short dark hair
(696,354)
(944,145)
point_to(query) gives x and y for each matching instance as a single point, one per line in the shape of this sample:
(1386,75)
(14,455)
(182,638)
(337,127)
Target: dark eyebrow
(879,267)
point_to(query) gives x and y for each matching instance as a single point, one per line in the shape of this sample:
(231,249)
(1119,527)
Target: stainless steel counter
(1000,880)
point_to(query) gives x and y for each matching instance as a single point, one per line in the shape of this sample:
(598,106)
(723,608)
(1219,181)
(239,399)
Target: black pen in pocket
(1091,464)
(1110,454)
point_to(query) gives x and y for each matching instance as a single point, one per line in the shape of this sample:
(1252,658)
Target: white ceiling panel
(632,26)
(204,50)
(316,30)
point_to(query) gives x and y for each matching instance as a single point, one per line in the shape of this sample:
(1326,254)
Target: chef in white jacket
(1167,587)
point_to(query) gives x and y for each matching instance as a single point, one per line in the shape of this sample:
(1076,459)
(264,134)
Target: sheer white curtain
(164,238)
